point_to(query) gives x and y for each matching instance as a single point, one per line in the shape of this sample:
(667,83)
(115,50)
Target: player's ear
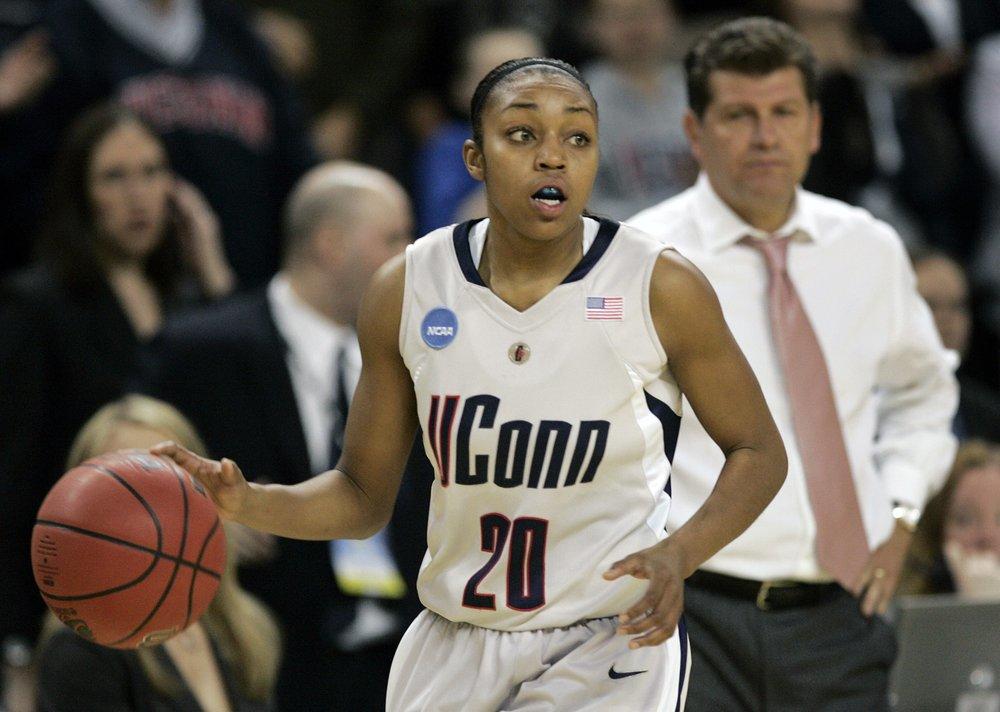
(475,163)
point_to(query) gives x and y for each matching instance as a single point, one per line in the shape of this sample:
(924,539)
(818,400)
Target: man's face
(756,137)
(629,31)
(381,232)
(943,286)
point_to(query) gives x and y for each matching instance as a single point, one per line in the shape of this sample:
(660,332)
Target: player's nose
(551,154)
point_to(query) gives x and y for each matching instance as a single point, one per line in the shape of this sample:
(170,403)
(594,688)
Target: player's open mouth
(549,195)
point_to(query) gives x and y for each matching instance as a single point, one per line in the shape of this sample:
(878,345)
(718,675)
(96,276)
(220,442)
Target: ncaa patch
(440,327)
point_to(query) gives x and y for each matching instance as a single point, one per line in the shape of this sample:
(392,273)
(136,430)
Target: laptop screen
(949,655)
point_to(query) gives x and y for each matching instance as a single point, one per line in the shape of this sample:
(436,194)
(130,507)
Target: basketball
(127,549)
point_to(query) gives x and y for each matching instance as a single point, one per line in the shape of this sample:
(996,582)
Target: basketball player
(532,349)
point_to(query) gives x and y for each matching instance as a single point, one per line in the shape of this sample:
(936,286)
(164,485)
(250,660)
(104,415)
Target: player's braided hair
(501,73)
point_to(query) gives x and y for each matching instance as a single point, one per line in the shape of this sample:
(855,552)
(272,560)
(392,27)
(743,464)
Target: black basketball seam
(157,554)
(142,500)
(194,573)
(129,544)
(173,574)
(159,540)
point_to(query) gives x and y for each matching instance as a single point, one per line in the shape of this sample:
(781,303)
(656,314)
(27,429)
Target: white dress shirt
(313,341)
(893,382)
(362,568)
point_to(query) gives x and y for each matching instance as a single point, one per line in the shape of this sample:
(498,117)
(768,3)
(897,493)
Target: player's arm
(717,380)
(714,375)
(356,499)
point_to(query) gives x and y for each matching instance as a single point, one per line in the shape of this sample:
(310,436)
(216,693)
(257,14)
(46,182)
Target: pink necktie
(841,544)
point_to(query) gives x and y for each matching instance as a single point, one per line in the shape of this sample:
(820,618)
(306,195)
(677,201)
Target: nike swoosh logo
(615,675)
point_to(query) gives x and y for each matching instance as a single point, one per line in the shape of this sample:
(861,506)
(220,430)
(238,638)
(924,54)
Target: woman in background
(126,243)
(225,662)
(956,548)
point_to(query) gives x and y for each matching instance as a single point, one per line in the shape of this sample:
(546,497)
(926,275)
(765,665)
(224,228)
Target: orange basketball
(127,549)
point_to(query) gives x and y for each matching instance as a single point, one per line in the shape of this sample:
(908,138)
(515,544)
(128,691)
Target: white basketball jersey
(550,430)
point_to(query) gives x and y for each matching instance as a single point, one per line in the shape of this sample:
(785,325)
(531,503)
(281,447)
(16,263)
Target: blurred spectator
(27,66)
(942,283)
(956,547)
(357,65)
(940,179)
(861,152)
(337,132)
(641,94)
(441,181)
(914,28)
(846,161)
(290,42)
(983,107)
(267,378)
(228,660)
(122,238)
(203,79)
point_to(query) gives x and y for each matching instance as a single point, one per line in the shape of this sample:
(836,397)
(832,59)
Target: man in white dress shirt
(821,298)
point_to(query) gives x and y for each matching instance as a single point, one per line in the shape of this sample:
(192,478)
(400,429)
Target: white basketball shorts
(441,665)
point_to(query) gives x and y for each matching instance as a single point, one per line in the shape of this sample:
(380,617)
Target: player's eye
(520,134)
(579,140)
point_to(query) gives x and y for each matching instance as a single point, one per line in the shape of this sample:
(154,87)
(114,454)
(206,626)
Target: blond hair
(244,630)
(926,548)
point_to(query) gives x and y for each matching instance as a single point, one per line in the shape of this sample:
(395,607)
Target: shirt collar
(719,227)
(312,338)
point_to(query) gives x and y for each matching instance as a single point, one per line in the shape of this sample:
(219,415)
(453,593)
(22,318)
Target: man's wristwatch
(906,516)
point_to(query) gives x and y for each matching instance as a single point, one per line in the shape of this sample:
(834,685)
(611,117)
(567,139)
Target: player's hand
(654,616)
(223,480)
(881,574)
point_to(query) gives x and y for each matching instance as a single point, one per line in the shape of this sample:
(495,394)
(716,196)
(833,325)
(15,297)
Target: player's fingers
(660,607)
(166,448)
(199,467)
(229,472)
(639,610)
(653,637)
(629,566)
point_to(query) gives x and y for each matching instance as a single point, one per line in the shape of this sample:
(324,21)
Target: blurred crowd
(247,96)
(185,183)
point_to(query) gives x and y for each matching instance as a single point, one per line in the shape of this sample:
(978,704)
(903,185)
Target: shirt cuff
(906,484)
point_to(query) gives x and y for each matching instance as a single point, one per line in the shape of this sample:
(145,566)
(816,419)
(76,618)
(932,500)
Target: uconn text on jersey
(512,464)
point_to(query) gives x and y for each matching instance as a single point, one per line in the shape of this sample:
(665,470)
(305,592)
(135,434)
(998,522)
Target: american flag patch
(605,308)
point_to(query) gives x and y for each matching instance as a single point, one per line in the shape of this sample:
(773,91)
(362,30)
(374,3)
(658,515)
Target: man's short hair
(750,45)
(333,190)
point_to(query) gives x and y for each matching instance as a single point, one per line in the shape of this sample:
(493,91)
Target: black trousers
(825,657)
